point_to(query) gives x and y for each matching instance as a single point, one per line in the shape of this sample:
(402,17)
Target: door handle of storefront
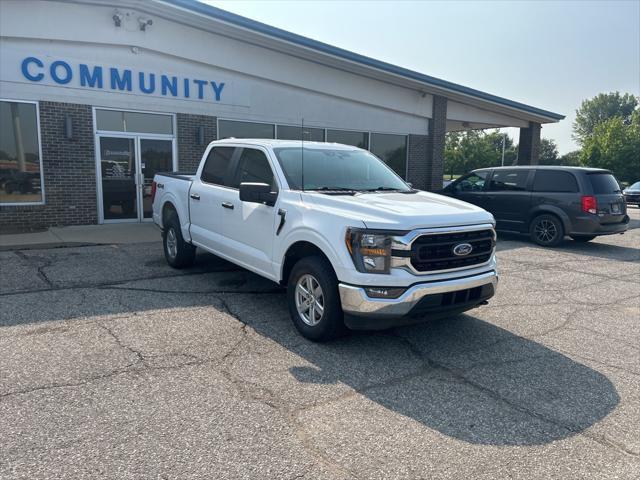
(228,205)
(195,196)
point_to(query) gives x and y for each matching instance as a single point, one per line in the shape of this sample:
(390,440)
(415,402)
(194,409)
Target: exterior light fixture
(117,18)
(68,127)
(144,23)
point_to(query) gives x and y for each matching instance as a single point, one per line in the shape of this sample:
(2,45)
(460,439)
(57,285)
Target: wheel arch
(550,210)
(296,251)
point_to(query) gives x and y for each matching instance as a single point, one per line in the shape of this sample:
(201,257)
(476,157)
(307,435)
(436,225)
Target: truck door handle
(195,196)
(228,205)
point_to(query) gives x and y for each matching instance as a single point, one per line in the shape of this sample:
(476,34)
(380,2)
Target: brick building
(96,96)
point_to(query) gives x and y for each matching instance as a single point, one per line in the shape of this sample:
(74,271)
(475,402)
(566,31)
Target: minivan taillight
(589,204)
(153,191)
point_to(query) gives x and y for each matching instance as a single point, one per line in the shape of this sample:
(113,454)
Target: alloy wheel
(545,231)
(309,300)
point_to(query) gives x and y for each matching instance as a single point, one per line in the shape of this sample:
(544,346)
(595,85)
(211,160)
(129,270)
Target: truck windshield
(337,169)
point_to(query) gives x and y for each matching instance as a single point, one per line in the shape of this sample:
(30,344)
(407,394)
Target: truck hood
(400,211)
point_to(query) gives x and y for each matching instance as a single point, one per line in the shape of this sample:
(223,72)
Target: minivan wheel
(546,230)
(582,238)
(177,252)
(314,301)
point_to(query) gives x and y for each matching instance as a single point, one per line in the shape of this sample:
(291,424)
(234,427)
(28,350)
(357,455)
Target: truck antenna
(302,152)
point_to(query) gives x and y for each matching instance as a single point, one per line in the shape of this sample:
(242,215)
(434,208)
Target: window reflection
(232,128)
(392,150)
(20,174)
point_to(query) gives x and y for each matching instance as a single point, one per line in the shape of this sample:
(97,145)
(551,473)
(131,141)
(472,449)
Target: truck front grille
(435,252)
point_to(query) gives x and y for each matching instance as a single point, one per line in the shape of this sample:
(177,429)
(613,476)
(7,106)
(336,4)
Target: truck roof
(273,143)
(547,167)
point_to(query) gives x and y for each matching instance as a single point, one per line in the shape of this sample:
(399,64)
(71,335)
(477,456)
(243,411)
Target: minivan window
(509,180)
(554,181)
(473,182)
(217,164)
(604,183)
(253,166)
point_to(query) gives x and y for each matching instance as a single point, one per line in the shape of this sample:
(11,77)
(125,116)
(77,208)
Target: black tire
(582,238)
(330,323)
(546,230)
(177,252)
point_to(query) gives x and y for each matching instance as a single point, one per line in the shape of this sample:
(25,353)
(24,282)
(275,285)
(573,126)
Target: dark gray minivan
(547,202)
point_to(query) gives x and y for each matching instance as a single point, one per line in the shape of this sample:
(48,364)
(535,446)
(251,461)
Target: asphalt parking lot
(113,365)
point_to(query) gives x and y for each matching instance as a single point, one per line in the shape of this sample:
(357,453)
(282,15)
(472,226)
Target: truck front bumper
(420,301)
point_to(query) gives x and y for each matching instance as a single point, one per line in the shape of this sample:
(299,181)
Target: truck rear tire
(314,301)
(177,252)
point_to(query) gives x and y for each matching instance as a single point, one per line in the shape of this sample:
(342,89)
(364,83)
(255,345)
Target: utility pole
(504,139)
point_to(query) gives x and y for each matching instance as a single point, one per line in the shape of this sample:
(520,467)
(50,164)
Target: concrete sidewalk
(82,235)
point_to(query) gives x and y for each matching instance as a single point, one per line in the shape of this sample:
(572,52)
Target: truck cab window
(217,165)
(253,166)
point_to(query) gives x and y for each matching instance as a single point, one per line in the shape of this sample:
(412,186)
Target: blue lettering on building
(25,69)
(120,79)
(90,79)
(54,71)
(120,82)
(169,85)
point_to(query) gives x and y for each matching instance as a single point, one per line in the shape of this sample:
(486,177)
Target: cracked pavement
(116,366)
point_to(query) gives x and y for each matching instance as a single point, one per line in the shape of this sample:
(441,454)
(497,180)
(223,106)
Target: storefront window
(357,139)
(119,121)
(392,150)
(232,128)
(288,132)
(20,168)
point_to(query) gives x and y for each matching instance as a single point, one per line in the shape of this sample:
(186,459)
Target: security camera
(144,23)
(117,19)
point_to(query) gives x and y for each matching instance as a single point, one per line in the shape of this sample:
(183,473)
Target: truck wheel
(582,238)
(547,231)
(314,301)
(179,254)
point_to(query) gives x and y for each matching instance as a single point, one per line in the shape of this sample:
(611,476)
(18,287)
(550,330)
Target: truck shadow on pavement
(464,377)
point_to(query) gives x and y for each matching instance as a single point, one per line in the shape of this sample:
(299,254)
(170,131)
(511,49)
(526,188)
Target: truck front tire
(178,253)
(314,301)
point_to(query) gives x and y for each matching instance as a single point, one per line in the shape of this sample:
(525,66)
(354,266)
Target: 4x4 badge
(462,249)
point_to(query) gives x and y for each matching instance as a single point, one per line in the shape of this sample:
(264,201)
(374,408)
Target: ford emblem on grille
(462,249)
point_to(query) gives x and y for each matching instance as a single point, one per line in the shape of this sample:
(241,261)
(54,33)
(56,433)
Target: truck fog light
(378,292)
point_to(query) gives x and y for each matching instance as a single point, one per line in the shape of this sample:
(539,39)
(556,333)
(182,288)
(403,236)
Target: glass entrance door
(156,155)
(127,166)
(118,177)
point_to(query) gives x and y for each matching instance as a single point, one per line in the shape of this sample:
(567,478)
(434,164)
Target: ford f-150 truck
(353,243)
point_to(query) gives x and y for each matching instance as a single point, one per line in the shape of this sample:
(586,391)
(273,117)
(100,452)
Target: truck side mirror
(257,193)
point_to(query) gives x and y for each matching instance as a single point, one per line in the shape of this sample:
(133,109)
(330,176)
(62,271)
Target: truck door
(206,196)
(248,229)
(508,198)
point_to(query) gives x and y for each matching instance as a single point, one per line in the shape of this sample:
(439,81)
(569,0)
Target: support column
(426,152)
(529,145)
(435,144)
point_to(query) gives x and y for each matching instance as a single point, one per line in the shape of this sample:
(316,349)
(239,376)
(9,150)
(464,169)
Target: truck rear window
(604,183)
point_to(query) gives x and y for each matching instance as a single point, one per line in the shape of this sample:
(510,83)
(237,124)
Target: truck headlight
(370,250)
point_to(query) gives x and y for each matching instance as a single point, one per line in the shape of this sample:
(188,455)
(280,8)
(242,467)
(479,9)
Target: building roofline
(278,33)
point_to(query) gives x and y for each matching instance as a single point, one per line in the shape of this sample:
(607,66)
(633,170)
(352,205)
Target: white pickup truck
(353,243)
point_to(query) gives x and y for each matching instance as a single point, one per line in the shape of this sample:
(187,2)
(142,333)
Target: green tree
(615,145)
(548,152)
(571,159)
(465,151)
(599,109)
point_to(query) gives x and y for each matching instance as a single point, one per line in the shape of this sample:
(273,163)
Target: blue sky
(550,54)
